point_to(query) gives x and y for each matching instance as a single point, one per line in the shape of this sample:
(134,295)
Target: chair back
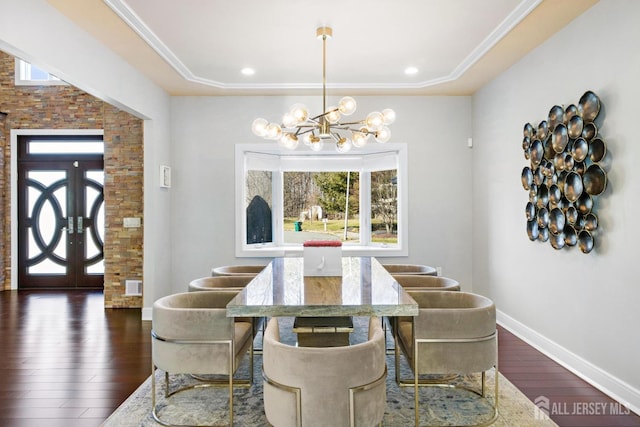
(219,282)
(428,283)
(410,269)
(237,270)
(320,381)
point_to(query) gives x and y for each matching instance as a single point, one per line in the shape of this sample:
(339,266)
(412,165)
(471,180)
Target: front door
(60,212)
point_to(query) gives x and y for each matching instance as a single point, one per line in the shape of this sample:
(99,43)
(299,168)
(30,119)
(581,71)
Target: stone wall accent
(123,195)
(67,107)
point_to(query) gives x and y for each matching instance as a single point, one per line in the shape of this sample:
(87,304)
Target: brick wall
(66,107)
(123,198)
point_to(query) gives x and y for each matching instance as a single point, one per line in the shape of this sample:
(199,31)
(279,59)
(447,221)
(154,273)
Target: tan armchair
(454,333)
(324,386)
(191,334)
(394,269)
(237,270)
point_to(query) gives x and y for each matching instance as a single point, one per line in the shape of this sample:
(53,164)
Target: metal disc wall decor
(564,175)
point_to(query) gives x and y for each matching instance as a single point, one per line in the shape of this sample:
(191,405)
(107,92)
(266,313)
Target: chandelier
(327,126)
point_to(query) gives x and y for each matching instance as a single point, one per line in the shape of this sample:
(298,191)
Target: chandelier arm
(364,131)
(361,122)
(301,132)
(318,117)
(339,126)
(325,113)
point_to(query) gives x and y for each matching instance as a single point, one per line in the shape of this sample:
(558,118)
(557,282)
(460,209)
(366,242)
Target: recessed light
(410,71)
(248,71)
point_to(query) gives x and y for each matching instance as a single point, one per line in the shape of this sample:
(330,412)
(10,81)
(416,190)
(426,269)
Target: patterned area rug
(438,406)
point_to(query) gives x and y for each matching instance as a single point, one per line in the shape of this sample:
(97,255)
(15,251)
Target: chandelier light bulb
(310,138)
(333,115)
(289,141)
(289,121)
(374,121)
(316,144)
(347,105)
(274,131)
(388,116)
(383,135)
(300,113)
(259,127)
(306,139)
(343,145)
(359,139)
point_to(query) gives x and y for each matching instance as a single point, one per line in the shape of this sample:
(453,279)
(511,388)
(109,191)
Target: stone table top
(364,289)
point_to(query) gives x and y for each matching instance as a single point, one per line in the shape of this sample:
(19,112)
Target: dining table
(365,288)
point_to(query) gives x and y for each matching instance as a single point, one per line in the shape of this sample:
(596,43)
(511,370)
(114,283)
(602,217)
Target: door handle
(70,225)
(79,225)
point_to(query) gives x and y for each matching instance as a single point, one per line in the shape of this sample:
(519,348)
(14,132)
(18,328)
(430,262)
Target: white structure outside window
(261,170)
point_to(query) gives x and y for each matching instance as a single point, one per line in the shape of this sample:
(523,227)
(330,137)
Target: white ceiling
(198,47)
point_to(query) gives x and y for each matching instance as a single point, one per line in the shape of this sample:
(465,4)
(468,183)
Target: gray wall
(205,130)
(582,309)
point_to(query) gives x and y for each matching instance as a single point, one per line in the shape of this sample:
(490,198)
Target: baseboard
(614,387)
(146,313)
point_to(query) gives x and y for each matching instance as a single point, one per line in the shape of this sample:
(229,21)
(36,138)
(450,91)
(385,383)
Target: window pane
(66,147)
(315,206)
(384,207)
(97,268)
(258,206)
(37,74)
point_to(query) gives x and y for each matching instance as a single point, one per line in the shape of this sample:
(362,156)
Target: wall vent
(133,287)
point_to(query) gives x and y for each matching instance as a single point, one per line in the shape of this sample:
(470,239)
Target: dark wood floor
(569,396)
(68,362)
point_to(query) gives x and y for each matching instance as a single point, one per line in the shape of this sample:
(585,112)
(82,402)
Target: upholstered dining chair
(413,269)
(454,333)
(191,334)
(324,386)
(237,270)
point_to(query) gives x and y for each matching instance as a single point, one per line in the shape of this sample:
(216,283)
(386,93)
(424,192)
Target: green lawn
(336,226)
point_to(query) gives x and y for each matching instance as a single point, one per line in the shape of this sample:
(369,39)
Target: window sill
(268,251)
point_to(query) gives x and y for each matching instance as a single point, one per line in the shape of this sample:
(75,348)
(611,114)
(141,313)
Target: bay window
(286,197)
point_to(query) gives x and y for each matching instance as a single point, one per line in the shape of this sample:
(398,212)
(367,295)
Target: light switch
(131,222)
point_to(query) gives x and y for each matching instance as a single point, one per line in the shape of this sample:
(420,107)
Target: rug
(438,406)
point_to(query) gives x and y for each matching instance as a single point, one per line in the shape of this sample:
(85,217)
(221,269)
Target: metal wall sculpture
(565,175)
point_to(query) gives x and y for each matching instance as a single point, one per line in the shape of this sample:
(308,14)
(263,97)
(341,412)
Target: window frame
(273,157)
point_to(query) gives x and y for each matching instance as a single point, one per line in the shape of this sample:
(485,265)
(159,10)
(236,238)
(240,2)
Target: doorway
(60,212)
